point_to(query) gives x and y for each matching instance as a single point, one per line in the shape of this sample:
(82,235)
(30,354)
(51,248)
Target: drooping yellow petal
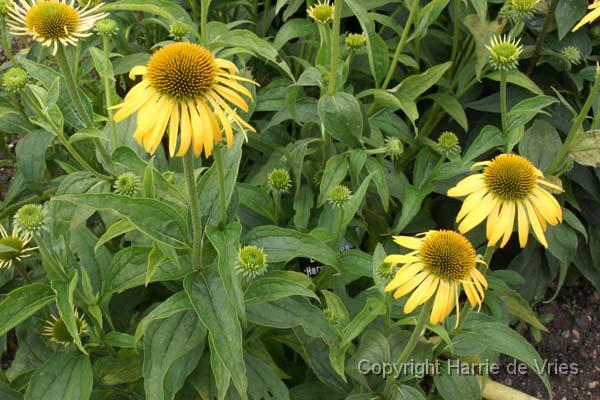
(508,221)
(408,242)
(478,214)
(535,223)
(200,133)
(234,85)
(173,130)
(422,293)
(523,224)
(470,202)
(185,132)
(404,275)
(231,96)
(410,285)
(440,303)
(467,186)
(589,18)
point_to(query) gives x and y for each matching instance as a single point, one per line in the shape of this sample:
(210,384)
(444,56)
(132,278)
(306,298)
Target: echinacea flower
(57,331)
(279,181)
(51,22)
(509,188)
(504,52)
(30,219)
(321,11)
(185,88)
(591,16)
(439,263)
(13,247)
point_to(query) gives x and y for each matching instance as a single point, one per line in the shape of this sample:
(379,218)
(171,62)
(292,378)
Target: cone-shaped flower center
(183,71)
(448,255)
(12,242)
(52,20)
(510,177)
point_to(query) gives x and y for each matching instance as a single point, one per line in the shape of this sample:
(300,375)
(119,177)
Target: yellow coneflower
(439,263)
(51,22)
(510,187)
(57,331)
(185,88)
(591,16)
(13,247)
(321,11)
(504,52)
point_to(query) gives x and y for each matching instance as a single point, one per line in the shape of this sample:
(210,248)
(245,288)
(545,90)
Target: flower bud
(14,79)
(355,41)
(57,331)
(449,145)
(31,218)
(339,196)
(179,30)
(279,181)
(393,147)
(107,27)
(321,12)
(251,262)
(572,54)
(504,52)
(127,184)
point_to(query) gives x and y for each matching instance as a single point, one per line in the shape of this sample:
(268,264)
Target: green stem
(265,24)
(6,45)
(204,4)
(548,22)
(405,31)
(335,47)
(577,125)
(277,201)
(190,181)
(456,34)
(107,91)
(221,176)
(503,111)
(61,136)
(61,59)
(412,342)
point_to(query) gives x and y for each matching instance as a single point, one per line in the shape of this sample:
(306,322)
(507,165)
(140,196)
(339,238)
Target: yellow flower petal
(422,293)
(467,186)
(408,242)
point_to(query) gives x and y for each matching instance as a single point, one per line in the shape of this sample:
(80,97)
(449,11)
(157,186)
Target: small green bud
(572,54)
(56,329)
(524,6)
(169,176)
(355,41)
(339,196)
(14,79)
(107,27)
(127,184)
(251,262)
(30,218)
(393,147)
(179,29)
(386,271)
(279,181)
(449,144)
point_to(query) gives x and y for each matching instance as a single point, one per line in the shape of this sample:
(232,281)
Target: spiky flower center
(447,254)
(510,177)
(321,12)
(252,261)
(505,50)
(29,218)
(127,184)
(339,196)
(52,20)
(184,71)
(278,180)
(524,5)
(10,242)
(355,40)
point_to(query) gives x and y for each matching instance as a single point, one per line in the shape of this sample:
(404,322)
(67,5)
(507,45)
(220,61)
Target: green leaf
(283,245)
(453,107)
(489,137)
(175,304)
(164,8)
(375,167)
(125,367)
(336,170)
(227,243)
(8,393)
(66,308)
(405,392)
(156,219)
(520,308)
(525,110)
(22,303)
(31,158)
(291,312)
(256,199)
(518,78)
(503,339)
(65,376)
(586,149)
(166,341)
(271,288)
(341,117)
(119,228)
(208,184)
(263,382)
(293,29)
(562,242)
(452,386)
(427,16)
(412,198)
(209,299)
(88,134)
(377,51)
(303,202)
(378,257)
(415,85)
(540,144)
(568,13)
